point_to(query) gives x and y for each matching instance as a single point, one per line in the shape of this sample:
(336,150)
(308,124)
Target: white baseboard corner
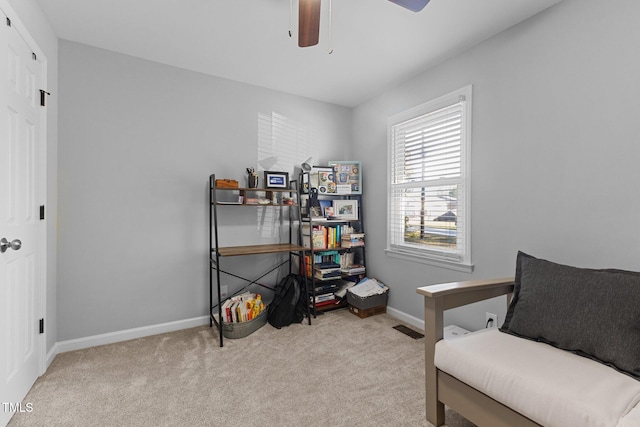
(126,335)
(400,315)
(50,356)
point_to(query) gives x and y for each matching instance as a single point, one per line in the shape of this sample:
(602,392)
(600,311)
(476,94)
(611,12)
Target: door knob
(5,244)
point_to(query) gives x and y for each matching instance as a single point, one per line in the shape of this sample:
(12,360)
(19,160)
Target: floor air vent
(408,331)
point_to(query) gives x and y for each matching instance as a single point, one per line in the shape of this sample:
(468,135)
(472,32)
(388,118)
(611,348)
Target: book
(242,311)
(328,278)
(226,311)
(318,239)
(329,302)
(234,312)
(324,297)
(346,259)
(352,240)
(353,269)
(242,308)
(327,287)
(326,265)
(326,274)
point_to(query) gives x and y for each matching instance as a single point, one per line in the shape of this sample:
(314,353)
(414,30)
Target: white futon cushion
(632,419)
(550,386)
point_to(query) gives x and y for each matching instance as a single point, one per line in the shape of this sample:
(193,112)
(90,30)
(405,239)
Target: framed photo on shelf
(305,183)
(347,175)
(324,205)
(276,179)
(321,177)
(345,209)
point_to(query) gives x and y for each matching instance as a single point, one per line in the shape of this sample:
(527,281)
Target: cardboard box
(369,306)
(367,312)
(226,183)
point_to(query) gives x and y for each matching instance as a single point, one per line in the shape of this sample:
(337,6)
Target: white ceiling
(376,43)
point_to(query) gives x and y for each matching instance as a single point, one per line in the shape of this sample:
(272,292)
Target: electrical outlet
(491,320)
(224,292)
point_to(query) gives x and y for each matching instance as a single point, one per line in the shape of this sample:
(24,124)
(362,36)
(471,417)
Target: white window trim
(465,264)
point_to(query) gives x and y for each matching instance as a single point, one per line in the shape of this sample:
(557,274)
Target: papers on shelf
(367,287)
(344,286)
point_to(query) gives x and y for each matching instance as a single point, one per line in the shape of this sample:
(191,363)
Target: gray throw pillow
(593,313)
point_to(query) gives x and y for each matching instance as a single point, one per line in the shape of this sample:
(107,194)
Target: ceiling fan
(309,18)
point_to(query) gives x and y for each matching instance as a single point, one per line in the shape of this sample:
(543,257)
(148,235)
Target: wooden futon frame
(443,389)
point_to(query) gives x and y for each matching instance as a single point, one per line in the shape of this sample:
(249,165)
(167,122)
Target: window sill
(450,265)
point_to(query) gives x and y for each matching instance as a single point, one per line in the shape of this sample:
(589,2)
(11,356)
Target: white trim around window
(429,182)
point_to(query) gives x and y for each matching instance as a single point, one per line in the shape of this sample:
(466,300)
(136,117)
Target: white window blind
(428,209)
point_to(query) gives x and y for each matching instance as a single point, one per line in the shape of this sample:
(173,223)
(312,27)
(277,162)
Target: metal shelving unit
(217,251)
(360,251)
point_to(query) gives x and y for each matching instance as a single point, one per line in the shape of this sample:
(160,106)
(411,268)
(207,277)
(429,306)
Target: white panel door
(20,174)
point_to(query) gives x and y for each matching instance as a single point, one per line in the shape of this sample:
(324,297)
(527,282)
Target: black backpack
(288,305)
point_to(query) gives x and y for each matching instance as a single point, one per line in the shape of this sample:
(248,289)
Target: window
(429,182)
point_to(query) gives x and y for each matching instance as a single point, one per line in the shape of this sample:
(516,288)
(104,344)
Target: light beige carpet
(340,371)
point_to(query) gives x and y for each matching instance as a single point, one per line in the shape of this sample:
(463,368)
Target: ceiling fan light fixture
(308,22)
(413,5)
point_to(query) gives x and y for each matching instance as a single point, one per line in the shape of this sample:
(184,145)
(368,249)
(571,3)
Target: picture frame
(321,178)
(347,175)
(324,205)
(274,179)
(345,209)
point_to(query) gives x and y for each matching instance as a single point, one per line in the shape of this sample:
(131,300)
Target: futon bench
(568,353)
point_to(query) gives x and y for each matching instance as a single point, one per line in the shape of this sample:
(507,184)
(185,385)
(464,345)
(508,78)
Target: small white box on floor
(453,331)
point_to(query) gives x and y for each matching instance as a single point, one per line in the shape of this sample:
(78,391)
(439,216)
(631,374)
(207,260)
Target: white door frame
(41,280)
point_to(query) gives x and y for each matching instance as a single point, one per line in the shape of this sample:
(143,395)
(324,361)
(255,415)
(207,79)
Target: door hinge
(41,212)
(42,326)
(42,94)
(34,56)
(8,22)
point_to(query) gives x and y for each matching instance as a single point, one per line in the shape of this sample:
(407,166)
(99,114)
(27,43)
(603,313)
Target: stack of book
(352,270)
(319,299)
(327,287)
(324,257)
(327,271)
(330,293)
(352,240)
(242,308)
(328,237)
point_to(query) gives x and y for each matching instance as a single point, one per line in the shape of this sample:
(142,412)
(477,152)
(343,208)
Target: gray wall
(553,155)
(138,141)
(554,149)
(34,20)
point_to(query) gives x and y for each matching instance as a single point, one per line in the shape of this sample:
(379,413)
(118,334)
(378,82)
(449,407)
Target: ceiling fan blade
(414,5)
(308,22)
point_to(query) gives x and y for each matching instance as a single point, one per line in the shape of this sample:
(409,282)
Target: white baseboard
(127,334)
(414,321)
(51,355)
(145,331)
